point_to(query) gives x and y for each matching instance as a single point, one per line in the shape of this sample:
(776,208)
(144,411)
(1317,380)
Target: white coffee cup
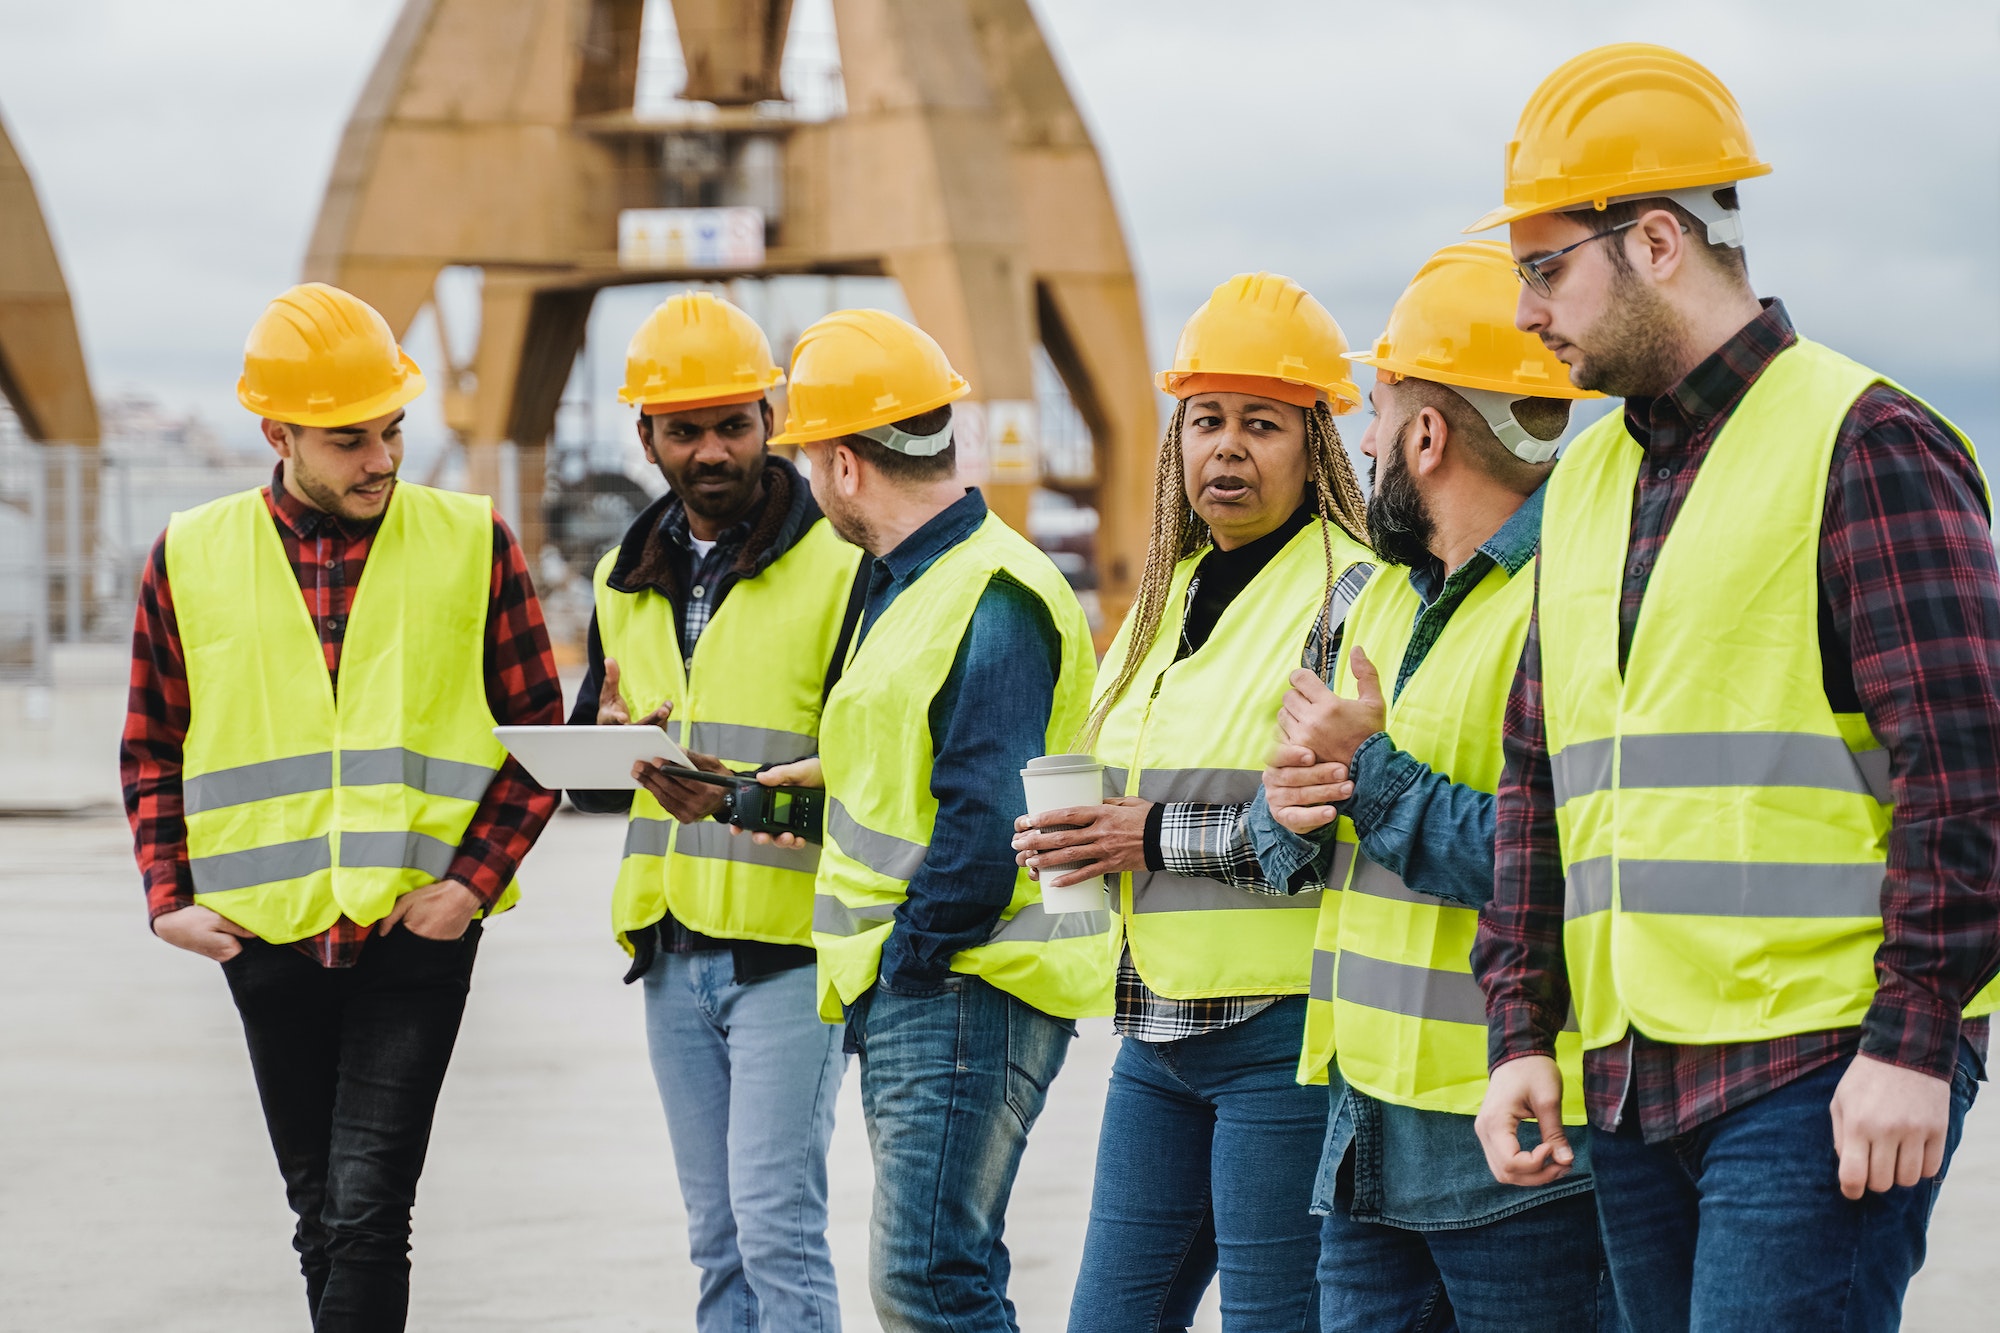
(1058,782)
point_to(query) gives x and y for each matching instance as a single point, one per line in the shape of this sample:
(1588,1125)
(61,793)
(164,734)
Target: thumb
(1367,681)
(1547,1103)
(611,674)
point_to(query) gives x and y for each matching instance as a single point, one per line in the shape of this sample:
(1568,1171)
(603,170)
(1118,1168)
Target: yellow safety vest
(302,808)
(751,698)
(1201,729)
(875,745)
(1724,831)
(1391,970)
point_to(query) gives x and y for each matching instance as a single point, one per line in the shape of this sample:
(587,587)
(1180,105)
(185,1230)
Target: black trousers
(349,1062)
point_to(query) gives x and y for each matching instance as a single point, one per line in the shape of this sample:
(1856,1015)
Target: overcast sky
(180,150)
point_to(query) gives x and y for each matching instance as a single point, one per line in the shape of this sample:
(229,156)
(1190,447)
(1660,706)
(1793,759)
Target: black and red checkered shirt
(327,557)
(1910,637)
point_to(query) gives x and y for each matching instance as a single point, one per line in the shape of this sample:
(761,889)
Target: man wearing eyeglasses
(1748,835)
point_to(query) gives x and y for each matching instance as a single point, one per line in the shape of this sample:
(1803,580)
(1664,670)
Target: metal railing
(76,526)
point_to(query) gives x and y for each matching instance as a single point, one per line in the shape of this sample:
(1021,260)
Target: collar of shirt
(889,574)
(307,522)
(674,523)
(1511,546)
(1713,388)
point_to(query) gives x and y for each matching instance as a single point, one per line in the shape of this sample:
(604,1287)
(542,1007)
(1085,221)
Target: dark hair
(1543,418)
(1728,258)
(903,467)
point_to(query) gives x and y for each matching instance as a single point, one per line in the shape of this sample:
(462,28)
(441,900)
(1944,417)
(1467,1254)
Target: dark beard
(1634,349)
(728,506)
(1399,522)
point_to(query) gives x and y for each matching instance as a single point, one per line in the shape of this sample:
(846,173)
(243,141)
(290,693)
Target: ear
(847,473)
(1656,245)
(645,429)
(1430,437)
(278,436)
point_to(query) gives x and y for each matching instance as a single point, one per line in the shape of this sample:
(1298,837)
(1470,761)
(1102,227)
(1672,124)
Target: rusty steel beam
(501,134)
(42,373)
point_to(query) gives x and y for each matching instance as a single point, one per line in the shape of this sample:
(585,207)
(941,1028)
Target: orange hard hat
(1626,121)
(856,370)
(696,350)
(319,356)
(1263,327)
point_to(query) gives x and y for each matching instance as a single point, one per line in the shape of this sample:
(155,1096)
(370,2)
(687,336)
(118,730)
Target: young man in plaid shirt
(316,797)
(1745,832)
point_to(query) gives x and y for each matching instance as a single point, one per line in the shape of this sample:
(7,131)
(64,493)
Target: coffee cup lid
(1050,764)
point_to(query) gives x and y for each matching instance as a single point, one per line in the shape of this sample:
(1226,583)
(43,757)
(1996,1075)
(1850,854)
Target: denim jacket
(1422,1170)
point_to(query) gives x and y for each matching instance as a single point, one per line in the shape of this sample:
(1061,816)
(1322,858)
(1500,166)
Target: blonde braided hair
(1178,532)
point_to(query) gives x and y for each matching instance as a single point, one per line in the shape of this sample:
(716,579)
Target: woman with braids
(1209,1144)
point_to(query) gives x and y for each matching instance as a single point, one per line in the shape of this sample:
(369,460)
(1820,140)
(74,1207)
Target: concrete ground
(137,1189)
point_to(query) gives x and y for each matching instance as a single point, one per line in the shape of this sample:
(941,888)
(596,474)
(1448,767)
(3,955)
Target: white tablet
(588,758)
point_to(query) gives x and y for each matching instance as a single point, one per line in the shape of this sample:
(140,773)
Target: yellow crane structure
(42,374)
(503,134)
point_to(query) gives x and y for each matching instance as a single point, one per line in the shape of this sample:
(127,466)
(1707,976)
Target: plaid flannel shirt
(327,557)
(1910,635)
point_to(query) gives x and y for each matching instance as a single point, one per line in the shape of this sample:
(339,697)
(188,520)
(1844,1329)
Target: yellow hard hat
(695,350)
(319,356)
(1454,325)
(858,369)
(1625,121)
(1263,326)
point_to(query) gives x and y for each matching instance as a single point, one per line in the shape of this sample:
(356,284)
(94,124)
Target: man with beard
(1384,789)
(723,617)
(1746,829)
(957,990)
(315,792)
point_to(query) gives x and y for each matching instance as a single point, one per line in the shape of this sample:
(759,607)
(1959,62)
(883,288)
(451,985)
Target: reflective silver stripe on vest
(1220,786)
(1722,759)
(1587,888)
(1032,925)
(1343,857)
(1380,882)
(1029,925)
(897,858)
(1114,781)
(1420,992)
(1321,987)
(648,837)
(400,851)
(1164,891)
(434,777)
(1750,889)
(712,841)
(834,917)
(261,865)
(750,745)
(257,782)
(1582,767)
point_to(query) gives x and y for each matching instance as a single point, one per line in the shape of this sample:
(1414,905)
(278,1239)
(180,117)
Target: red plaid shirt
(1910,636)
(327,557)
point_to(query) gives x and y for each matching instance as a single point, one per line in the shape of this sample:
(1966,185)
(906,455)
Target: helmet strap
(1725,225)
(916,446)
(1498,410)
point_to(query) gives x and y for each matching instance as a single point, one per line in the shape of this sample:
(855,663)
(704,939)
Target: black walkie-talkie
(755,808)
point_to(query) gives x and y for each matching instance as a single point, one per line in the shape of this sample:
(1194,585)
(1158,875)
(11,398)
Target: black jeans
(349,1062)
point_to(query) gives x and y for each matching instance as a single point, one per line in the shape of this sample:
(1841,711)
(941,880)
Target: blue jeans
(1540,1268)
(1206,1164)
(748,1075)
(1740,1223)
(951,1084)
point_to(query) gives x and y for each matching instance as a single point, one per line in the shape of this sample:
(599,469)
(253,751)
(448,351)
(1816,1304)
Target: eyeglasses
(1533,272)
